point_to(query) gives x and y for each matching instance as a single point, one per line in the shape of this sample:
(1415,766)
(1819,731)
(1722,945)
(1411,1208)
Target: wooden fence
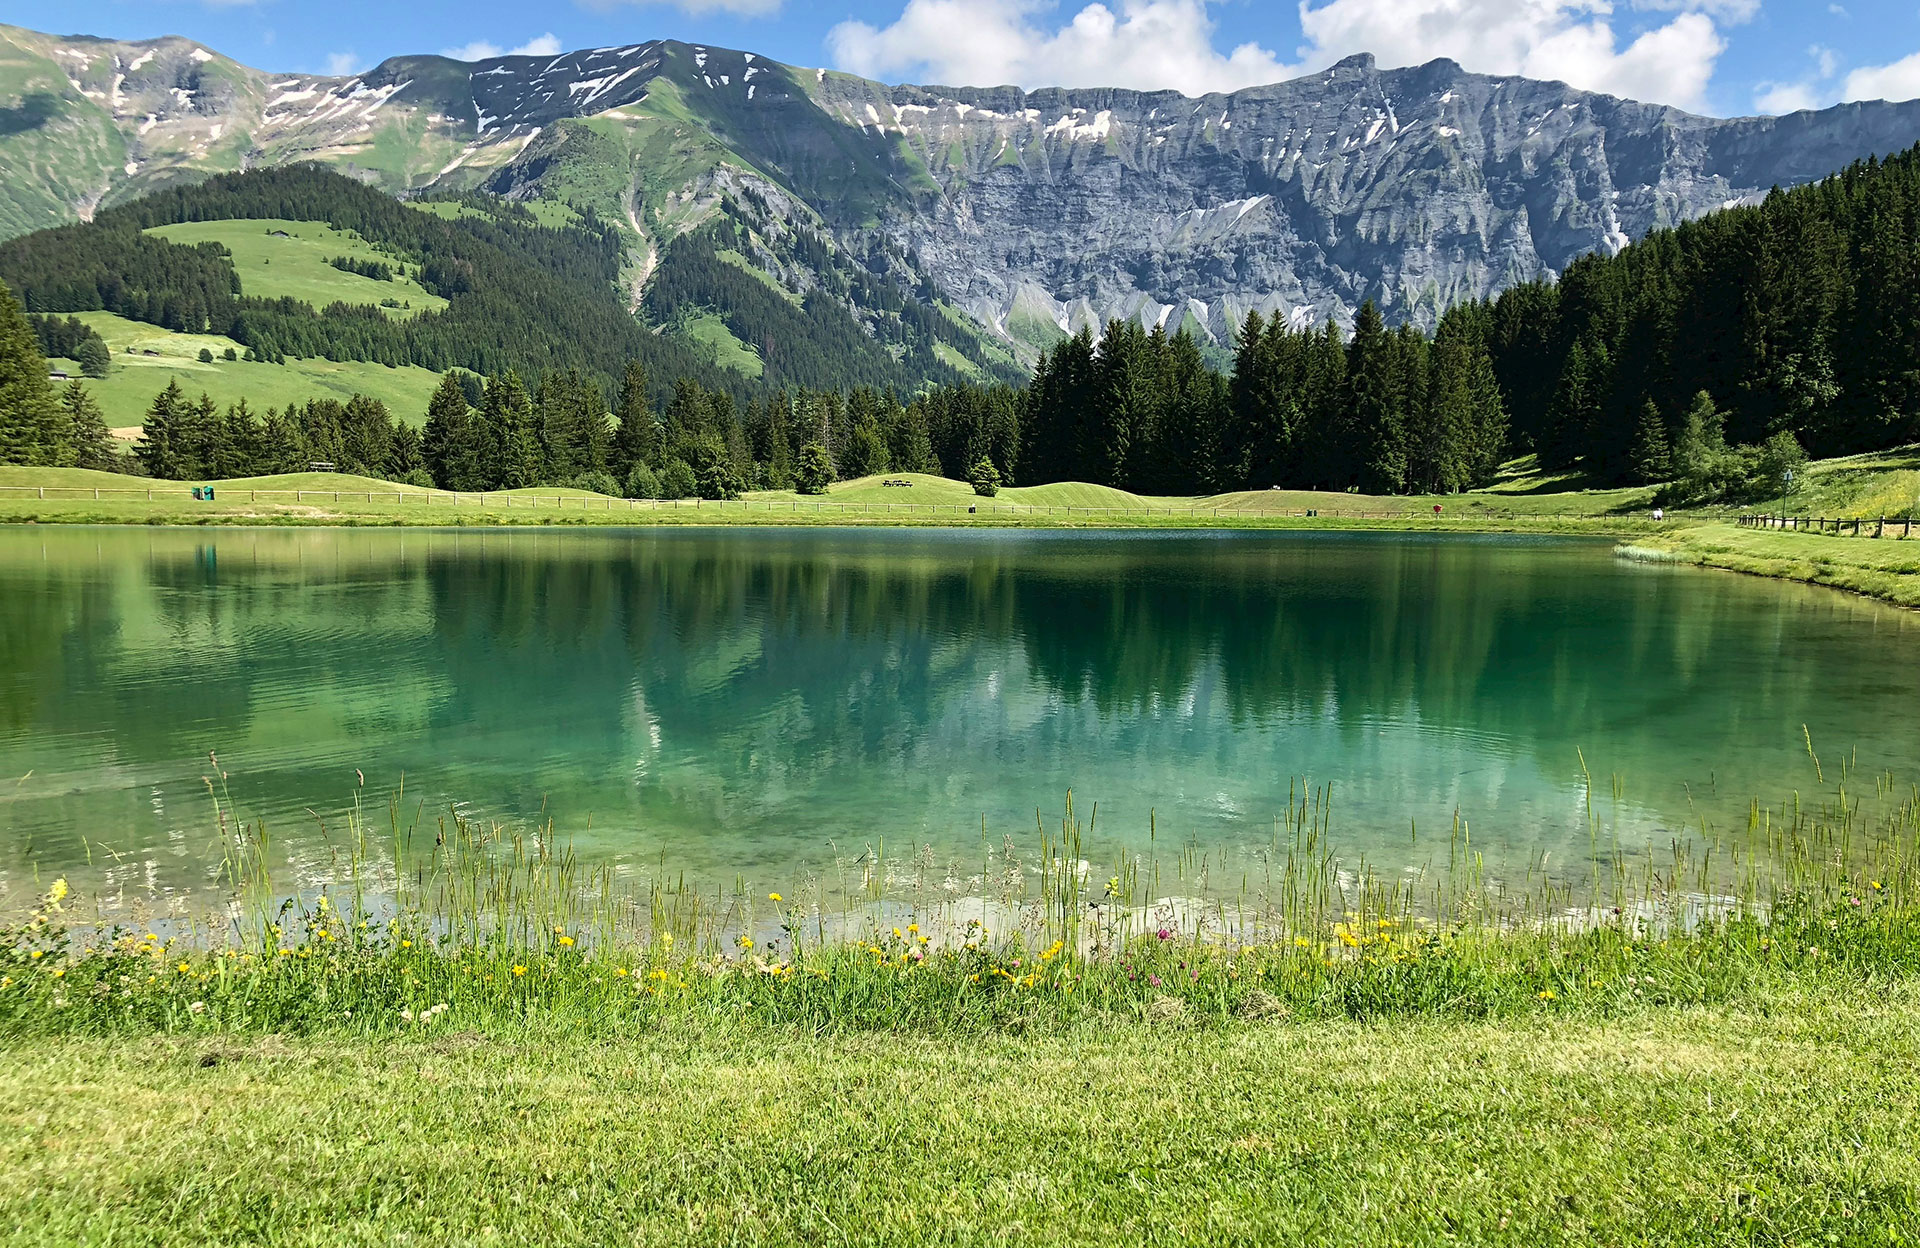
(1851,527)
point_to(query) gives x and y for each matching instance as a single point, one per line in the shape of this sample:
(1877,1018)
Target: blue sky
(1718,56)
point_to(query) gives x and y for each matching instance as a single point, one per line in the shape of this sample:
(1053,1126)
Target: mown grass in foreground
(1785,1119)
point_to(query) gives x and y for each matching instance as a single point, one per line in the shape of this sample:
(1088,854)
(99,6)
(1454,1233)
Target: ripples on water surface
(738,701)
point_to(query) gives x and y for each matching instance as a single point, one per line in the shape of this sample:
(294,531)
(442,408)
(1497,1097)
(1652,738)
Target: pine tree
(238,449)
(159,450)
(405,461)
(92,445)
(200,437)
(511,455)
(636,439)
(814,473)
(909,443)
(1326,439)
(281,448)
(447,443)
(1374,405)
(1490,428)
(366,430)
(29,417)
(1193,409)
(1652,455)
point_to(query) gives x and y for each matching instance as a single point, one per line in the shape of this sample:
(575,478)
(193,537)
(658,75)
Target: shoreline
(1886,570)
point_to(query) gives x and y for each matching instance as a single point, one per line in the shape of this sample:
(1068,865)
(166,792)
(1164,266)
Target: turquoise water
(743,702)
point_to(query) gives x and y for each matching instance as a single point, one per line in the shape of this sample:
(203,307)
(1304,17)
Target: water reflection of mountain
(746,694)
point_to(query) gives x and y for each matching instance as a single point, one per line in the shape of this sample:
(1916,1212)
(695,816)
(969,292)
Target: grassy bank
(1887,569)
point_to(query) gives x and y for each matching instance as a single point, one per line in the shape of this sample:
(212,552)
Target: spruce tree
(636,438)
(447,442)
(29,417)
(512,456)
(159,450)
(281,449)
(238,450)
(1652,455)
(92,445)
(200,437)
(814,473)
(1373,404)
(366,430)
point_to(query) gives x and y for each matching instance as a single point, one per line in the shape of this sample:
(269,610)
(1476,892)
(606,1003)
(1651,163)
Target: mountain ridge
(1033,213)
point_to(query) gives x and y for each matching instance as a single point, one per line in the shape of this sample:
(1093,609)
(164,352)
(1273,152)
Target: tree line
(1798,318)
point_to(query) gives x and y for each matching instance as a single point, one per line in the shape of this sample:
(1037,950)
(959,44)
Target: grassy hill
(134,378)
(1521,491)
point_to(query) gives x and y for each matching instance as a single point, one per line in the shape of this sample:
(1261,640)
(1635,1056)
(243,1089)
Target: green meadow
(135,376)
(293,260)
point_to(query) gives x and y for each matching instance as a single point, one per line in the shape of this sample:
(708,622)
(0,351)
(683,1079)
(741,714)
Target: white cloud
(1146,45)
(480,50)
(1572,41)
(1786,97)
(1818,90)
(1898,81)
(1169,43)
(344,64)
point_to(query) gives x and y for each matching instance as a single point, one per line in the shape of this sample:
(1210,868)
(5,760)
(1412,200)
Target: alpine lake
(756,705)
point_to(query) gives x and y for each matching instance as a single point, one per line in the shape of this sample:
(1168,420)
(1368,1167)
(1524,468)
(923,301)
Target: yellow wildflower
(36,955)
(1546,994)
(184,969)
(566,942)
(519,970)
(775,897)
(406,944)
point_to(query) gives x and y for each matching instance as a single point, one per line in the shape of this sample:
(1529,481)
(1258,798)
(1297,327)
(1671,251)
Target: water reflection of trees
(776,665)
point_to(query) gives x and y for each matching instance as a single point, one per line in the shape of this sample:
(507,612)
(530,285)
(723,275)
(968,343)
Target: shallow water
(745,702)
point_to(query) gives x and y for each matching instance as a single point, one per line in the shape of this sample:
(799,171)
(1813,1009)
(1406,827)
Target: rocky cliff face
(1035,212)
(1414,187)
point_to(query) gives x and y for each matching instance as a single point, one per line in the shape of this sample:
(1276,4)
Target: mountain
(970,225)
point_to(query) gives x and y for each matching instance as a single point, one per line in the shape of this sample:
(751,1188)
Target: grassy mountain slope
(133,378)
(517,293)
(278,259)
